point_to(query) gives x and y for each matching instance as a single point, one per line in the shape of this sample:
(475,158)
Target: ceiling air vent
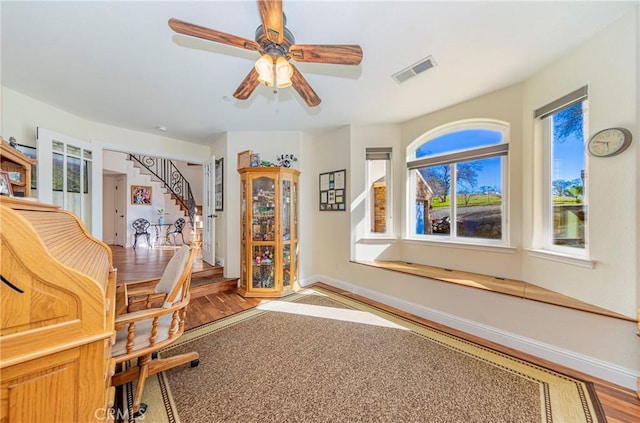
(413,70)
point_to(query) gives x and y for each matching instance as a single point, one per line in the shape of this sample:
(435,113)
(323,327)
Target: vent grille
(414,70)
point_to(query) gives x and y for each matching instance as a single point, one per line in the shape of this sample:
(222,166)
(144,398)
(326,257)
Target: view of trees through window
(567,177)
(469,205)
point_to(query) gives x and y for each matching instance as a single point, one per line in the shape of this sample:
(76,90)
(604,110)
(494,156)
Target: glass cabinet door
(286,232)
(294,231)
(243,238)
(263,227)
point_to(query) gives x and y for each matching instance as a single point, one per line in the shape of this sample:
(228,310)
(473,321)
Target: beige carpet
(316,356)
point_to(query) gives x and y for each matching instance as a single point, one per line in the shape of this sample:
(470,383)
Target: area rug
(317,356)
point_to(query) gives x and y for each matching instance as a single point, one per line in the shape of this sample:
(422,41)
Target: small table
(160,240)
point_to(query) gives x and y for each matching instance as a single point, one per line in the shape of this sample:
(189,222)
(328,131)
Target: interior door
(70,176)
(120,210)
(208,211)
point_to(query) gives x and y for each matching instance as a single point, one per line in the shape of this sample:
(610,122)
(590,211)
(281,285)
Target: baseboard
(585,364)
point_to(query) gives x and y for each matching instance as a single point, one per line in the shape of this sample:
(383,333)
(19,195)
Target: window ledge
(377,240)
(505,286)
(561,258)
(505,249)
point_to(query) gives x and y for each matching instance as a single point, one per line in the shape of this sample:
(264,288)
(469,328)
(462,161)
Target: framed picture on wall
(333,190)
(219,184)
(141,195)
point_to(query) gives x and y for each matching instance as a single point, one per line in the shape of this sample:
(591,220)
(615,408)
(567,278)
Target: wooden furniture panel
(13,160)
(269,231)
(57,300)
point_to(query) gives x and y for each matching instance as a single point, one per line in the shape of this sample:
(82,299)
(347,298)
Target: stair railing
(173,180)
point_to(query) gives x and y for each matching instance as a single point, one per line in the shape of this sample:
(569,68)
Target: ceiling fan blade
(304,89)
(212,35)
(339,54)
(247,86)
(272,19)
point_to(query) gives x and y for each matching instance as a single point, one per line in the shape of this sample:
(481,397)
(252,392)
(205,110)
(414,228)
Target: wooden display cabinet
(16,163)
(268,231)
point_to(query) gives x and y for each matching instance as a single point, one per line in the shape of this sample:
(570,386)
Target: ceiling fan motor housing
(272,48)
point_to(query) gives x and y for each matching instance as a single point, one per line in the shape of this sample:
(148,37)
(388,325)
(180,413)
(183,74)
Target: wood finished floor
(620,405)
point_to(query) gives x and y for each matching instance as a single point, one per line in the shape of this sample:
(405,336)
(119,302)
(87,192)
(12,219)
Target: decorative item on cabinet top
(244,159)
(285,160)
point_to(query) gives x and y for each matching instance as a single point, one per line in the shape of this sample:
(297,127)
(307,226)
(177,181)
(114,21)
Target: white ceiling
(120,64)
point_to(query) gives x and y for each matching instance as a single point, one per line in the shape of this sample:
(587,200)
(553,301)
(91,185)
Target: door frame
(44,138)
(209,211)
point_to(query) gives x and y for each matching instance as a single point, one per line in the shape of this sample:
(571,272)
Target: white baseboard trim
(585,364)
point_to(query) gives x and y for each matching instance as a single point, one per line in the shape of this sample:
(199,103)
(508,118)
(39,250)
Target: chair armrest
(143,284)
(145,301)
(140,291)
(150,313)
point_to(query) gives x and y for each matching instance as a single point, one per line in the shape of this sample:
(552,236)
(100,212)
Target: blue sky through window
(459,141)
(568,159)
(568,154)
(465,140)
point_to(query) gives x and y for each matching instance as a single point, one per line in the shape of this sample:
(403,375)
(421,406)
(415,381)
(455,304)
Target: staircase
(174,182)
(207,281)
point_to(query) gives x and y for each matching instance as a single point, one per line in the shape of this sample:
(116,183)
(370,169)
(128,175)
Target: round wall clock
(609,142)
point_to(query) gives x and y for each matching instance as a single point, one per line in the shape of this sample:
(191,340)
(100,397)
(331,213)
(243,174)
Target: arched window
(457,176)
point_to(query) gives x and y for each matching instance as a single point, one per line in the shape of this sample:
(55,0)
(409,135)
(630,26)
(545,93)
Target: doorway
(114,213)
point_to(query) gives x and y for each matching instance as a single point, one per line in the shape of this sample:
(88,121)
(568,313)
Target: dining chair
(177,228)
(141,226)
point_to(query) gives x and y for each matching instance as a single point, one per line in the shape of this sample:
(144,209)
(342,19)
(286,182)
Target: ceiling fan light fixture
(264,67)
(284,72)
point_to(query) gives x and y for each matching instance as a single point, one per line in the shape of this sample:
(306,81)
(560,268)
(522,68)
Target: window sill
(505,286)
(377,240)
(496,248)
(561,258)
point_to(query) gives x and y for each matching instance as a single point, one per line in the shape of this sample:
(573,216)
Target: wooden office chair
(153,317)
(178,226)
(141,227)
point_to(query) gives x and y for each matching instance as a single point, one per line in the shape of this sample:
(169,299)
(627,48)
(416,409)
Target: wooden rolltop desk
(57,317)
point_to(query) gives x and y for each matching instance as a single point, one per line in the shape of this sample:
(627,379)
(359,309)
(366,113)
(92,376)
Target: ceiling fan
(277,47)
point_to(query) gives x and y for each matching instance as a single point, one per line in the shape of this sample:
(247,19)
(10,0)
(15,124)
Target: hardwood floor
(619,404)
(147,263)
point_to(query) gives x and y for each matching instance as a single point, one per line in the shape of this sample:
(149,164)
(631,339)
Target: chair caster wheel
(154,355)
(194,363)
(141,410)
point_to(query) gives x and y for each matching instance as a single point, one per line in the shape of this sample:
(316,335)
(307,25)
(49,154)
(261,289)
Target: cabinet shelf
(12,160)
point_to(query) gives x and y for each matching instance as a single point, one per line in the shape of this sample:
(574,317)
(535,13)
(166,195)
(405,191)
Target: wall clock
(609,142)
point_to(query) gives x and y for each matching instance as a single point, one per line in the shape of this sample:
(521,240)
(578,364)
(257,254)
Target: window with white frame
(457,183)
(378,180)
(564,124)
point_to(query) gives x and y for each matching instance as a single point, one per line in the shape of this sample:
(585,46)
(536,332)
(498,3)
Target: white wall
(608,65)
(601,346)
(21,115)
(361,138)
